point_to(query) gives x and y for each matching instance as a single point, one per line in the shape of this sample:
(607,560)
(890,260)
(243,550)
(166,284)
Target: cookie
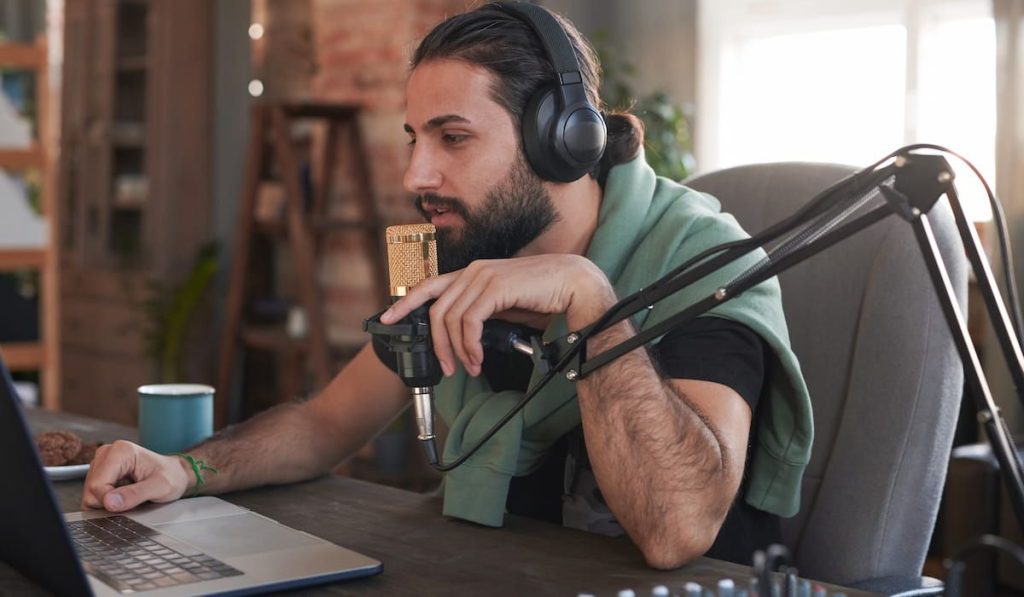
(56,448)
(85,455)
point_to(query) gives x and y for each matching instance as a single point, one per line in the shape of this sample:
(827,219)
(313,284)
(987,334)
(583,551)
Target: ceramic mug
(174,417)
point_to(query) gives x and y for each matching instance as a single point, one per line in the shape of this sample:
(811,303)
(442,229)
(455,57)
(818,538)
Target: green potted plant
(668,144)
(170,310)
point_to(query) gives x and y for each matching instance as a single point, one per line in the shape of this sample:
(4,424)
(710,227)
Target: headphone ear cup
(567,156)
(583,137)
(539,119)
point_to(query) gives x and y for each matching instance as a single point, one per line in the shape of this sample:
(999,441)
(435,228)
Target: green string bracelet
(198,466)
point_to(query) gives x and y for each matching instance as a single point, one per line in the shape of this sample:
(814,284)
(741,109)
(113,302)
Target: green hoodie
(647,226)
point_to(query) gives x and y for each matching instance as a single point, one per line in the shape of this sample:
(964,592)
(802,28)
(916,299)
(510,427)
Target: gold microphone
(412,258)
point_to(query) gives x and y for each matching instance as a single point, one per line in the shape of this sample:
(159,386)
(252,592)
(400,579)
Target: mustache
(450,203)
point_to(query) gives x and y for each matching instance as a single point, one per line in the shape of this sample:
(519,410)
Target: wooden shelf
(24,56)
(23,356)
(20,158)
(308,363)
(14,259)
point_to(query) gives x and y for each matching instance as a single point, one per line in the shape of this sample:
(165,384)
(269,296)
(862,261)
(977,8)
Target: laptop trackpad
(236,535)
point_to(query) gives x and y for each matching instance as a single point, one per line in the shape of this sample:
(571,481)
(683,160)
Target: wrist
(591,299)
(200,471)
(186,473)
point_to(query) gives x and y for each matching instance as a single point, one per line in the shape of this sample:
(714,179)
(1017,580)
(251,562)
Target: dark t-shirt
(708,349)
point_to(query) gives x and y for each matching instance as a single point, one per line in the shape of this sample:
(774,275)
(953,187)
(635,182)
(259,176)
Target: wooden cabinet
(134,189)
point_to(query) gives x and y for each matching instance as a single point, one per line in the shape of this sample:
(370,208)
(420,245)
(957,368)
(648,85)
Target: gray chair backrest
(883,373)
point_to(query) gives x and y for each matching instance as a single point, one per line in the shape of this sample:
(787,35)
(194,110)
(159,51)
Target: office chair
(883,373)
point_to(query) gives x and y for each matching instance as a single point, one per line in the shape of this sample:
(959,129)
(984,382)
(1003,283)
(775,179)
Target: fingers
(156,488)
(465,320)
(147,473)
(421,293)
(473,318)
(448,328)
(110,464)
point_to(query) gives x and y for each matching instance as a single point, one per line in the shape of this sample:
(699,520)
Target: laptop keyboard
(132,557)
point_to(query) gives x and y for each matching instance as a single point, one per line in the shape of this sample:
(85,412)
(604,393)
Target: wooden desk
(423,552)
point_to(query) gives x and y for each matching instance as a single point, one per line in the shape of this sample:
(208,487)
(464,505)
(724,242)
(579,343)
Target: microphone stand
(919,181)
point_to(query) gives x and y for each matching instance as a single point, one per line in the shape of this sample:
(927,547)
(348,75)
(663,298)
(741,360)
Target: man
(654,445)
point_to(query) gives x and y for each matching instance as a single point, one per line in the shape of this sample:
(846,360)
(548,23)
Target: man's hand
(542,284)
(124,475)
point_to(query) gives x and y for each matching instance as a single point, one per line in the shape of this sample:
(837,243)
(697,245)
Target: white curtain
(1009,18)
(1009,183)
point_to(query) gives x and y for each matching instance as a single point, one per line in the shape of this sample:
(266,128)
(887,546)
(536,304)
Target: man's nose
(423,174)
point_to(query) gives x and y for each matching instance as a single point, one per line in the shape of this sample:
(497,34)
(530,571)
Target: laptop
(201,545)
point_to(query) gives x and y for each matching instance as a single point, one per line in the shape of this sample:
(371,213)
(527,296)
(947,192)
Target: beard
(515,212)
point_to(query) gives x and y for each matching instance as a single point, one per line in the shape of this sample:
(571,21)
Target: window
(847,82)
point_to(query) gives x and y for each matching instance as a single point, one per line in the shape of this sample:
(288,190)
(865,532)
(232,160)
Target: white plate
(62,473)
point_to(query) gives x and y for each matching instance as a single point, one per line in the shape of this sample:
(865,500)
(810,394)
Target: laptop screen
(33,536)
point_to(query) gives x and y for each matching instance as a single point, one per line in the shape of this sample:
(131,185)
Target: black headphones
(563,134)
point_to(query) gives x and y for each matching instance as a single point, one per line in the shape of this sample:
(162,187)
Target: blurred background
(196,190)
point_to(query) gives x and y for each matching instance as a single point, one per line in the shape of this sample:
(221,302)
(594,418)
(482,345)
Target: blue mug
(174,417)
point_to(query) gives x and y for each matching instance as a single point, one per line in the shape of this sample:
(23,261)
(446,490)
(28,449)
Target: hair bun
(625,136)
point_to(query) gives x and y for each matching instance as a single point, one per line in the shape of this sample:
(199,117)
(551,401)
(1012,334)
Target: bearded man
(694,446)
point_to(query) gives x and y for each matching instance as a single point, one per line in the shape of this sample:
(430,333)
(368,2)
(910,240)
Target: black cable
(445,467)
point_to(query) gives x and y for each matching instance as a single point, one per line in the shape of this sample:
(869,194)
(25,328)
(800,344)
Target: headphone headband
(563,134)
(552,37)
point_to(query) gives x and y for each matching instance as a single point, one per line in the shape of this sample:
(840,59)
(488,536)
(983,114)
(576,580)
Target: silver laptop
(193,546)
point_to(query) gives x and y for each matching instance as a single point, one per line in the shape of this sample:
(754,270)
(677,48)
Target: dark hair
(510,50)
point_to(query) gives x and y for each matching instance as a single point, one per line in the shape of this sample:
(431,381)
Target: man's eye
(454,139)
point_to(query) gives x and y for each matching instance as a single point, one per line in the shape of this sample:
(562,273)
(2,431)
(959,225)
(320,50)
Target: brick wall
(362,50)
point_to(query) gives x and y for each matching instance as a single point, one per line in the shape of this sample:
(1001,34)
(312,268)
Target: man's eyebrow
(438,121)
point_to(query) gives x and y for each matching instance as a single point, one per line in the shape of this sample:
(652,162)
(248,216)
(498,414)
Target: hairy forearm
(662,467)
(299,441)
(278,446)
